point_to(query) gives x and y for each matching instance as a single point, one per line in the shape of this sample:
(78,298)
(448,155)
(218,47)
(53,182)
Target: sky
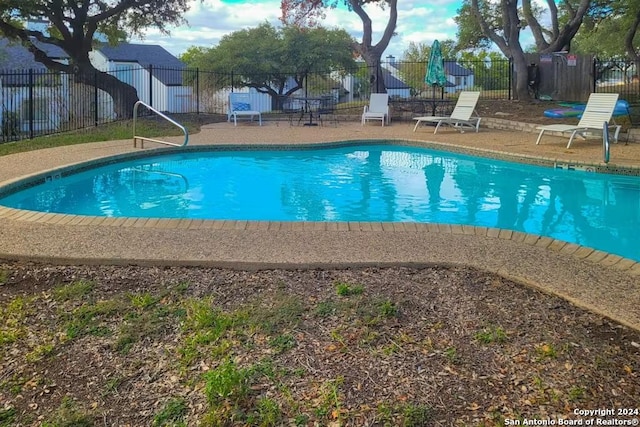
(209,20)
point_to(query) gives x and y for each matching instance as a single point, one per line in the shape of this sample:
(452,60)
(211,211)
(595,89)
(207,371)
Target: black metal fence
(40,102)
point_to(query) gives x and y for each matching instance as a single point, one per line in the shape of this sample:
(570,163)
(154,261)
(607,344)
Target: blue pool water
(356,183)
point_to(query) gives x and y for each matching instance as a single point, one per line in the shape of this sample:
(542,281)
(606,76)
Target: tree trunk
(376,79)
(124,96)
(521,90)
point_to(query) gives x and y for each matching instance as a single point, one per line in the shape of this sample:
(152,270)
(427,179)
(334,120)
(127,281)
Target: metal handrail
(605,142)
(144,138)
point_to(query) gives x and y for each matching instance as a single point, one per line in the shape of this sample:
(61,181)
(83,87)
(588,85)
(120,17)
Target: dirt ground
(137,346)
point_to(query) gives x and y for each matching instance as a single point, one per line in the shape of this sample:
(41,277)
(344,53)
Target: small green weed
(73,290)
(331,402)
(85,320)
(282,343)
(7,416)
(576,394)
(491,334)
(301,420)
(546,351)
(451,354)
(143,301)
(112,385)
(12,318)
(388,309)
(226,382)
(416,415)
(326,309)
(172,414)
(285,312)
(268,413)
(68,414)
(345,290)
(4,276)
(39,352)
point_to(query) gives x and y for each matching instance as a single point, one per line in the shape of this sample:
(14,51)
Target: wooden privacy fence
(564,76)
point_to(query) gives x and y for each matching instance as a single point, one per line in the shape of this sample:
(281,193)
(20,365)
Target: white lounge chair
(599,109)
(460,116)
(240,105)
(378,108)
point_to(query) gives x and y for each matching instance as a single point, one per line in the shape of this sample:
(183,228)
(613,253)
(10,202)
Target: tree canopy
(502,22)
(307,13)
(267,58)
(73,26)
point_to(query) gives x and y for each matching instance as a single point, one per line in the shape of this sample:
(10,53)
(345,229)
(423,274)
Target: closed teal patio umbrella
(435,68)
(435,71)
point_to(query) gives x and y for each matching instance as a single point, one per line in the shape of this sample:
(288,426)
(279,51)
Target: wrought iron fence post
(95,97)
(151,85)
(197,90)
(510,95)
(594,70)
(31,109)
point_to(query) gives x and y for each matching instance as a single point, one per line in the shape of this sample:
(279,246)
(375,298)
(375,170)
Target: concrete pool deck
(601,282)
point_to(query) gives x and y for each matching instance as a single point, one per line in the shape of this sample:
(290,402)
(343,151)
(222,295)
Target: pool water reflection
(356,183)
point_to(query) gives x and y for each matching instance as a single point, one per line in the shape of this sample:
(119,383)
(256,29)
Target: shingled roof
(167,68)
(16,61)
(14,56)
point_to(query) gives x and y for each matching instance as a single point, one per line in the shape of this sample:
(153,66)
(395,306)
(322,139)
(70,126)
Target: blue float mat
(576,109)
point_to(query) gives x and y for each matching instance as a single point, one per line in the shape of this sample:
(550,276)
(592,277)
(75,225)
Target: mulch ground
(141,346)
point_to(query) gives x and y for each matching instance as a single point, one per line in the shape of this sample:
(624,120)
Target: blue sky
(418,21)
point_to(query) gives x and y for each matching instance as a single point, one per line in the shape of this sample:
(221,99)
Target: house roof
(392,82)
(454,69)
(16,60)
(168,67)
(14,56)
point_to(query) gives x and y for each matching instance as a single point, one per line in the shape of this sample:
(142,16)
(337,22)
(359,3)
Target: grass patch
(172,414)
(87,319)
(491,334)
(12,317)
(226,383)
(69,414)
(72,291)
(149,127)
(345,289)
(7,416)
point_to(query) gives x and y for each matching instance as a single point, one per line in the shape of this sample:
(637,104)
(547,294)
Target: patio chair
(378,108)
(292,107)
(599,109)
(240,105)
(327,108)
(460,117)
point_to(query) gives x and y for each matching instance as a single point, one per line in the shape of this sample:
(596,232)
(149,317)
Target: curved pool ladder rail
(605,142)
(164,116)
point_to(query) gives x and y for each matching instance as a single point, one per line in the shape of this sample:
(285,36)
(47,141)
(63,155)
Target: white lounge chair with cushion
(378,108)
(599,109)
(240,105)
(461,116)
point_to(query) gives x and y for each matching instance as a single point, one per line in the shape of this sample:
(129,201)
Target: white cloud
(210,20)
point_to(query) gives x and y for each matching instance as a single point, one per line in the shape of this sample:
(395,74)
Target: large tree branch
(120,8)
(390,28)
(553,11)
(570,29)
(534,25)
(367,28)
(487,30)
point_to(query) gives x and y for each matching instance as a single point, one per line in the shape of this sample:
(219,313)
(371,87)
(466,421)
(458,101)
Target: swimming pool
(355,183)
